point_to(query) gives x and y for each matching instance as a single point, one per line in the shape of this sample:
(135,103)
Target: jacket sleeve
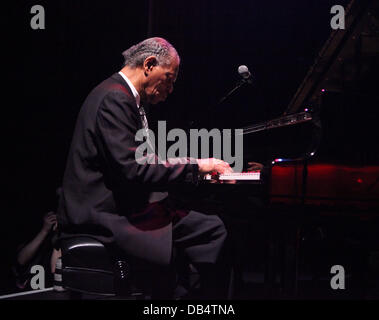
(116,126)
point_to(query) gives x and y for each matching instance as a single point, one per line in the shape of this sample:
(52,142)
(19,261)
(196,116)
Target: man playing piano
(106,192)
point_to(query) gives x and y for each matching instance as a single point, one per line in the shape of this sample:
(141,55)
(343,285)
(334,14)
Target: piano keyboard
(253,175)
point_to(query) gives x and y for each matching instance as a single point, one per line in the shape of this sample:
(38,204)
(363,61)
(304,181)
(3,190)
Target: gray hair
(158,47)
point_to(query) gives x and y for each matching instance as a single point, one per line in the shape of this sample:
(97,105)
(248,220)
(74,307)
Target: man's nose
(171,88)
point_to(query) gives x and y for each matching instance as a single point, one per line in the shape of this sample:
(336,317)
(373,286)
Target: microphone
(245,73)
(246,78)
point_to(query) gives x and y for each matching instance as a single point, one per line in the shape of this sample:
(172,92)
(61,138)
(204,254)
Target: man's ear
(149,64)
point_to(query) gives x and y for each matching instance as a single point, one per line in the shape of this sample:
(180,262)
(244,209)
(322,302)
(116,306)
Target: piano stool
(91,270)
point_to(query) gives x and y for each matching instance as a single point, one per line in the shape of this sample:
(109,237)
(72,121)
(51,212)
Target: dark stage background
(48,74)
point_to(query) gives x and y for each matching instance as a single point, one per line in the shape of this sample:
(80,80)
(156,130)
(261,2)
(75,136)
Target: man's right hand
(213,165)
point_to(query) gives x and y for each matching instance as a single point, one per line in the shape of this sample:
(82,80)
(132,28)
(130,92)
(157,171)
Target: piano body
(321,156)
(324,149)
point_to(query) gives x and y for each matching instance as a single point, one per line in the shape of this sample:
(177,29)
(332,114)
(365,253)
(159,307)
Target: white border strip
(24,293)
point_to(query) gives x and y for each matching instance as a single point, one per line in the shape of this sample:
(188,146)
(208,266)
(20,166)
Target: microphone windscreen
(244,71)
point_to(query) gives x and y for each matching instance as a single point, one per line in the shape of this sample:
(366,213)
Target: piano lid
(346,56)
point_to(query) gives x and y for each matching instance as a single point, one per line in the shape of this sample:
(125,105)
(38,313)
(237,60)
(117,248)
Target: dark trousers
(200,239)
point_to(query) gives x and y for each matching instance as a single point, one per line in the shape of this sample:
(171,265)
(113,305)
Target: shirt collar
(134,90)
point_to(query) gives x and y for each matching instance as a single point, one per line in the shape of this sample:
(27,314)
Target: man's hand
(49,222)
(29,250)
(254,166)
(213,165)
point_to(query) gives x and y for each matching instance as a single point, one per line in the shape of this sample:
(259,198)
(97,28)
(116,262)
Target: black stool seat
(88,267)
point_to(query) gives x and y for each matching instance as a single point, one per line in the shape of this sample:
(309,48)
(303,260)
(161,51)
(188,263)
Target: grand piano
(339,164)
(321,161)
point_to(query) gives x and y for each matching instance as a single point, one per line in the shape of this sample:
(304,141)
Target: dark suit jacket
(105,191)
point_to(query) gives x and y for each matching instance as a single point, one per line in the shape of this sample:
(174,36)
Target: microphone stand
(239,85)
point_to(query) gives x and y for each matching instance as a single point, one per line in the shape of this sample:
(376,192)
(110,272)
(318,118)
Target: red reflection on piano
(326,184)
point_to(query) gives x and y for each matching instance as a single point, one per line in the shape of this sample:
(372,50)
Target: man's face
(160,81)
